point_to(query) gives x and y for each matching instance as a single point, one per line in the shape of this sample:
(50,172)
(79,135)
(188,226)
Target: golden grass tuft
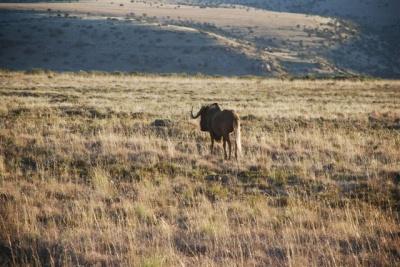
(102,182)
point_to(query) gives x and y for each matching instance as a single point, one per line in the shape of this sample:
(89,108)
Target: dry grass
(86,179)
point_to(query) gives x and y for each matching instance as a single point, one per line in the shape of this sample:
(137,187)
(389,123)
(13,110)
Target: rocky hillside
(378,21)
(271,38)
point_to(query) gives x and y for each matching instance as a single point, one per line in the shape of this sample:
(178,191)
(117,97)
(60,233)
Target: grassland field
(87,179)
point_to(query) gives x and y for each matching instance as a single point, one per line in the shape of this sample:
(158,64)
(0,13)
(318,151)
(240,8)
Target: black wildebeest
(220,123)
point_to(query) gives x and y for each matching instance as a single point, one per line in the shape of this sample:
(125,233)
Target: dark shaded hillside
(212,39)
(32,40)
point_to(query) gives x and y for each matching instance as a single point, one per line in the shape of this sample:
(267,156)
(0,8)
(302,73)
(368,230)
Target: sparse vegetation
(335,45)
(87,176)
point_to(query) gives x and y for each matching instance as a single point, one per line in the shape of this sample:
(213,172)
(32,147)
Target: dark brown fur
(220,123)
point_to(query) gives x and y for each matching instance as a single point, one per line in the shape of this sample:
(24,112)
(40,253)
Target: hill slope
(374,13)
(227,40)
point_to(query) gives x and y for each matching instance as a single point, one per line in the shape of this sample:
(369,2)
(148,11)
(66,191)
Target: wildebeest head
(206,113)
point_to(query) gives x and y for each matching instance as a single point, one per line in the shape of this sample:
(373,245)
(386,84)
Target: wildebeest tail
(236,130)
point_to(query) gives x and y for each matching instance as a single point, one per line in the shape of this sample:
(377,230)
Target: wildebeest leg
(224,140)
(212,144)
(229,146)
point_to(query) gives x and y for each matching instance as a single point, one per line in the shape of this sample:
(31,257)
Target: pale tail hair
(236,130)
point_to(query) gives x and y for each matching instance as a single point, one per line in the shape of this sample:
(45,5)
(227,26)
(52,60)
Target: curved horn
(195,116)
